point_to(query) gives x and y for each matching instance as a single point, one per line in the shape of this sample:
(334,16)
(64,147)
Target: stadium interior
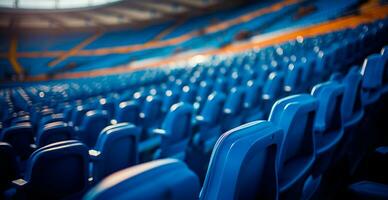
(193,99)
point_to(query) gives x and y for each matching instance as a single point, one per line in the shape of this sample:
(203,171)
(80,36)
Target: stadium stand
(237,103)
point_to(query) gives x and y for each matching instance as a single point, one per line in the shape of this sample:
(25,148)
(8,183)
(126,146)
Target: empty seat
(51,118)
(252,103)
(295,115)
(54,132)
(243,163)
(20,136)
(116,149)
(56,171)
(9,167)
(167,179)
(209,122)
(175,131)
(328,130)
(372,72)
(233,109)
(128,111)
(272,90)
(91,126)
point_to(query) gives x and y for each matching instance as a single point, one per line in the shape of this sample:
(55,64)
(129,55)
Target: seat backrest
(273,86)
(253,91)
(329,117)
(188,94)
(128,111)
(212,111)
(91,126)
(54,132)
(372,75)
(168,179)
(244,162)
(107,104)
(57,170)
(295,115)
(51,118)
(234,101)
(169,99)
(78,114)
(384,54)
(117,148)
(20,136)
(294,78)
(352,110)
(9,168)
(177,127)
(152,110)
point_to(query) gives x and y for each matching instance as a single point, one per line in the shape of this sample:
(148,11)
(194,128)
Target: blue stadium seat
(169,99)
(243,163)
(384,54)
(51,118)
(128,111)
(372,72)
(93,122)
(252,102)
(175,132)
(295,115)
(209,122)
(54,132)
(115,149)
(20,136)
(56,171)
(352,113)
(78,114)
(167,179)
(9,168)
(21,119)
(272,90)
(233,107)
(328,130)
(188,94)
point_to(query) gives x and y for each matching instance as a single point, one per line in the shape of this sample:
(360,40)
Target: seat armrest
(369,190)
(201,121)
(94,155)
(19,183)
(159,131)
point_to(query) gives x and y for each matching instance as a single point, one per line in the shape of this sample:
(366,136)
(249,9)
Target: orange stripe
(74,50)
(13,57)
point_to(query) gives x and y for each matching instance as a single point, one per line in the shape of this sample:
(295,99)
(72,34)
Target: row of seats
(178,115)
(284,157)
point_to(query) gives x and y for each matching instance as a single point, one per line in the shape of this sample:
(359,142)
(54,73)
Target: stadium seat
(54,132)
(9,168)
(233,109)
(20,136)
(175,132)
(372,72)
(167,179)
(328,131)
(55,171)
(209,122)
(91,125)
(128,111)
(243,163)
(272,90)
(295,115)
(115,149)
(51,118)
(252,102)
